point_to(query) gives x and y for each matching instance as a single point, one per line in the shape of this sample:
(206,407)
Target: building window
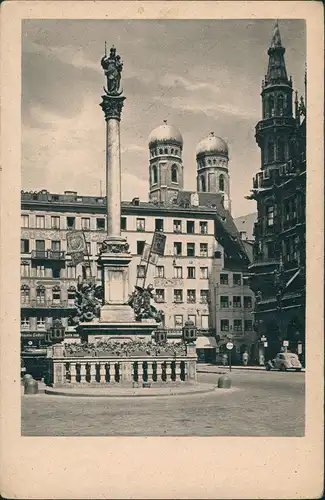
(190,227)
(40,272)
(160,151)
(100,224)
(270,215)
(160,295)
(280,104)
(55,222)
(236,300)
(71,272)
(204,296)
(140,247)
(24,246)
(177,226)
(270,151)
(191,273)
(247,302)
(88,247)
(245,281)
(71,295)
(238,325)
(71,222)
(141,271)
(224,325)
(248,325)
(98,273)
(160,272)
(224,302)
(123,223)
(98,247)
(40,294)
(24,220)
(24,323)
(205,321)
(159,224)
(56,295)
(56,273)
(178,320)
(280,150)
(192,317)
(221,183)
(55,245)
(24,269)
(85,223)
(203,227)
(190,252)
(191,296)
(236,279)
(166,151)
(178,272)
(178,295)
(141,224)
(223,279)
(154,175)
(174,173)
(271,106)
(40,324)
(40,221)
(270,248)
(203,249)
(177,248)
(203,273)
(24,294)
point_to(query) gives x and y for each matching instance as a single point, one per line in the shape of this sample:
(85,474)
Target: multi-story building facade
(202,247)
(277,274)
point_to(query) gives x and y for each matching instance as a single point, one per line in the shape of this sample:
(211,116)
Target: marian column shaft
(113,177)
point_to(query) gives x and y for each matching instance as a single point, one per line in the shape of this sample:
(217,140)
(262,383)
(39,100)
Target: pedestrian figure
(245,358)
(224,359)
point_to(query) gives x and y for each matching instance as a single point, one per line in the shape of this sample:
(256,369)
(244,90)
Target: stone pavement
(224,370)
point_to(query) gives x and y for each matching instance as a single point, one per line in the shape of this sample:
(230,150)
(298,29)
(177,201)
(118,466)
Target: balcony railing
(48,255)
(33,303)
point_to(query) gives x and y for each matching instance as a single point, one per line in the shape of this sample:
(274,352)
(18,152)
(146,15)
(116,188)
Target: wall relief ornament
(114,247)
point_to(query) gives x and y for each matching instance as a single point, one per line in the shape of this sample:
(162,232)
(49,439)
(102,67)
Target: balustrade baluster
(73,372)
(168,371)
(150,371)
(102,373)
(140,372)
(82,373)
(92,372)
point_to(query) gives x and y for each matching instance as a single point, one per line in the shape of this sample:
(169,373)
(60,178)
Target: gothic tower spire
(276,71)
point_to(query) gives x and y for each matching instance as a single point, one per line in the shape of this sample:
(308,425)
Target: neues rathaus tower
(277,274)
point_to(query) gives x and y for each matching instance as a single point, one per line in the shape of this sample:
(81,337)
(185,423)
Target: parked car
(284,361)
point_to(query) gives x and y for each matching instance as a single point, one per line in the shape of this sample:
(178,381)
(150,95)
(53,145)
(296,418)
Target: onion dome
(212,145)
(165,134)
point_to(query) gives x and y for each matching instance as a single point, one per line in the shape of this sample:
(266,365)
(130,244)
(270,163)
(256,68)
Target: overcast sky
(201,76)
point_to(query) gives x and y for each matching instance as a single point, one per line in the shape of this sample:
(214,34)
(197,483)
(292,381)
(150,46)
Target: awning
(292,278)
(206,343)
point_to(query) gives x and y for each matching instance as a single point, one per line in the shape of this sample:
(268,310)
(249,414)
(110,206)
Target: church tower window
(271,106)
(280,150)
(280,105)
(221,183)
(174,173)
(203,185)
(154,174)
(270,151)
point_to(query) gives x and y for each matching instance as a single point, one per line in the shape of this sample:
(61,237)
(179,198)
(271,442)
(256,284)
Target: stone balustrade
(97,371)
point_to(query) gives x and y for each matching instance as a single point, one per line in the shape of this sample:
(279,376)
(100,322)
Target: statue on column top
(112,66)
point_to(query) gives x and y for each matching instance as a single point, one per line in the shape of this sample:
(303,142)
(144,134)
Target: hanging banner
(158,244)
(77,248)
(148,256)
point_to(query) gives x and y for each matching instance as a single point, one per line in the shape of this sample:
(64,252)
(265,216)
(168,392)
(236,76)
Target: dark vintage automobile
(284,361)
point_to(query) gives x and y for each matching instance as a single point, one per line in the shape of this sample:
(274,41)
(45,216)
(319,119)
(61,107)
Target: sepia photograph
(161,249)
(163,227)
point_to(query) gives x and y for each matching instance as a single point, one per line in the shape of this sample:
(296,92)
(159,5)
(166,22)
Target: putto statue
(88,302)
(140,301)
(112,66)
